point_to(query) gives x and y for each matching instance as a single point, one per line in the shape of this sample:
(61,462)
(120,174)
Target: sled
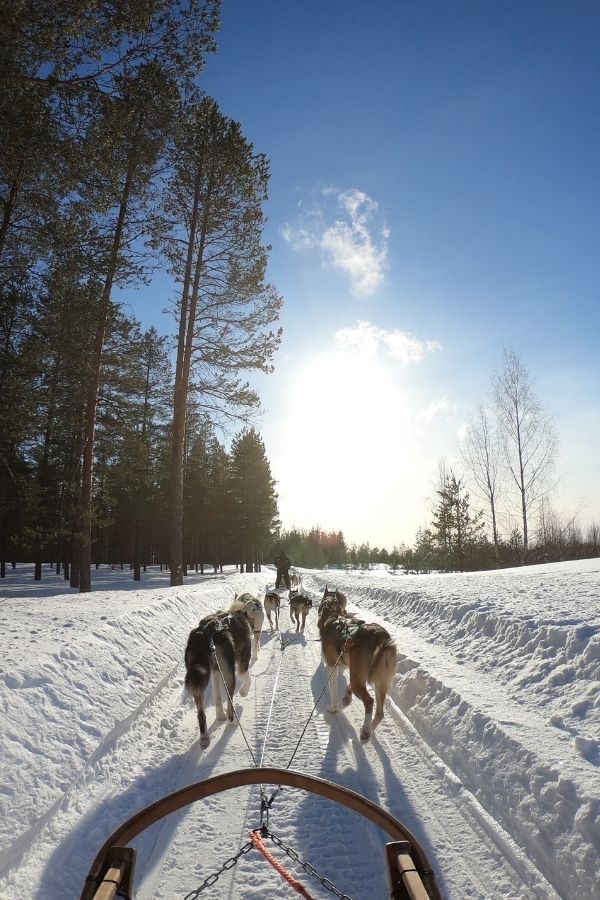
(410,875)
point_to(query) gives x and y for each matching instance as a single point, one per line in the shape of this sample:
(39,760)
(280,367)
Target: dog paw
(332,709)
(220,715)
(244,690)
(365,734)
(204,740)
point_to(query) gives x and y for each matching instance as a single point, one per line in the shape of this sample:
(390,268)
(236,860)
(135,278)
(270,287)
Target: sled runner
(410,875)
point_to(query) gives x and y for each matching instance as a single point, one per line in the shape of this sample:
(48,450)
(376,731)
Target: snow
(489,750)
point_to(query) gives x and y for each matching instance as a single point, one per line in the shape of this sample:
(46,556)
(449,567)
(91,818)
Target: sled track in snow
(154,750)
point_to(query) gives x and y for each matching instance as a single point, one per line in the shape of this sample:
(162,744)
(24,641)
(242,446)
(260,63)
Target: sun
(345,436)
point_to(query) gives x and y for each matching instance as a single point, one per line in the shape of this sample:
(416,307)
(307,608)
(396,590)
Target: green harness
(347,632)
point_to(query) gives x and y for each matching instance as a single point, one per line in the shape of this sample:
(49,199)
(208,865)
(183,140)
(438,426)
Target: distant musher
(282,564)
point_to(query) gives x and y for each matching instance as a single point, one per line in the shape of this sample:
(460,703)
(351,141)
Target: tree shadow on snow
(65,872)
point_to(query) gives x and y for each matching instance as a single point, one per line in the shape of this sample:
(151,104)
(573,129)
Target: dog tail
(383,663)
(196,677)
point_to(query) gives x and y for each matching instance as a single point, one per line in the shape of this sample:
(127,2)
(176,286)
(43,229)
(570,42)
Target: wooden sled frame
(409,872)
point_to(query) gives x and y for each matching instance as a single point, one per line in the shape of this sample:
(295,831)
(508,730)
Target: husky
(341,600)
(366,649)
(295,580)
(217,647)
(299,607)
(251,607)
(272,602)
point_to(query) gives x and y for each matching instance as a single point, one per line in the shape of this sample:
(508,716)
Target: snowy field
(488,752)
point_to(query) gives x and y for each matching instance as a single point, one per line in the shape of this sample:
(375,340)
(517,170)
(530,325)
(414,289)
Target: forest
(115,166)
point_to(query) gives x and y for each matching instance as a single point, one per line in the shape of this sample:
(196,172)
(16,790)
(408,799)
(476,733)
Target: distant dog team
(226,644)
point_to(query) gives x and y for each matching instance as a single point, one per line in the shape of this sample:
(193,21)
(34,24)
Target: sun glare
(345,442)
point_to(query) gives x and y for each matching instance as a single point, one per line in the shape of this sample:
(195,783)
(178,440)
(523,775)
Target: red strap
(262,848)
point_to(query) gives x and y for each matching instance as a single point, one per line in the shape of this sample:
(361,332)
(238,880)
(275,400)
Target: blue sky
(434,197)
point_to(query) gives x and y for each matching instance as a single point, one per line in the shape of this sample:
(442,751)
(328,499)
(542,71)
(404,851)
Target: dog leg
(333,689)
(242,670)
(362,693)
(255,640)
(246,682)
(230,684)
(380,695)
(199,700)
(218,700)
(347,698)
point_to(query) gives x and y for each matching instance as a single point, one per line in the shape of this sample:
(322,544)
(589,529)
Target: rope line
(287,876)
(229,697)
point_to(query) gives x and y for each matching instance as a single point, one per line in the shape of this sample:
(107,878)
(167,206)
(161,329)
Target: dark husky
(220,641)
(299,607)
(366,649)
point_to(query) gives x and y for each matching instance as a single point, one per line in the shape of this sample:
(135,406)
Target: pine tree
(254,499)
(213,205)
(455,527)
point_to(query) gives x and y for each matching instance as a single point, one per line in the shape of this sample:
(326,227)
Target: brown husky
(329,594)
(366,649)
(220,641)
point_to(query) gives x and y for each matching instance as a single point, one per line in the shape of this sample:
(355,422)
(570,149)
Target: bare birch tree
(528,437)
(480,451)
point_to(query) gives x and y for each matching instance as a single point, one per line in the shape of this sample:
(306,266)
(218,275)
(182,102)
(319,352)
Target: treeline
(114,166)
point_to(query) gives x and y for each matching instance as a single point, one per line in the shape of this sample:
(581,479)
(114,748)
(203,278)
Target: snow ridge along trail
(106,729)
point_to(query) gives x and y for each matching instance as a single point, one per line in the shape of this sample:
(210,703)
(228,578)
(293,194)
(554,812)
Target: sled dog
(341,601)
(299,607)
(217,647)
(251,607)
(272,602)
(369,653)
(295,580)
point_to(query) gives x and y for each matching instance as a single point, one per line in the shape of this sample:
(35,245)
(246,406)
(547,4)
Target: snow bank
(499,673)
(73,674)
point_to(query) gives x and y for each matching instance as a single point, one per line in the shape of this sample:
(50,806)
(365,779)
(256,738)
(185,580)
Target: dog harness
(347,632)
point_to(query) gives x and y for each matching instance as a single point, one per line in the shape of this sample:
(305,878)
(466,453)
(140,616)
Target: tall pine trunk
(85,583)
(187,318)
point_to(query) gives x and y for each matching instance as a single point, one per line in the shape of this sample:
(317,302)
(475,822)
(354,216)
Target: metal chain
(212,879)
(310,870)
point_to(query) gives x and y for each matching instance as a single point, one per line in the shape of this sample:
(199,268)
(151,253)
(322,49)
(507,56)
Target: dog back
(272,600)
(299,601)
(199,658)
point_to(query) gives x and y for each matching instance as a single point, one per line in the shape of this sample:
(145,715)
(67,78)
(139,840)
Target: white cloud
(369,340)
(355,242)
(433,409)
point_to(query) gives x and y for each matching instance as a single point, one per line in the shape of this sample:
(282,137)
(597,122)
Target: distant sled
(410,875)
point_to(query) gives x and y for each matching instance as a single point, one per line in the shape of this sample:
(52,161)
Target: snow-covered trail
(155,751)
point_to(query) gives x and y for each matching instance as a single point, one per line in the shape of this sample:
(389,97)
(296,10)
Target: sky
(488,751)
(434,199)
